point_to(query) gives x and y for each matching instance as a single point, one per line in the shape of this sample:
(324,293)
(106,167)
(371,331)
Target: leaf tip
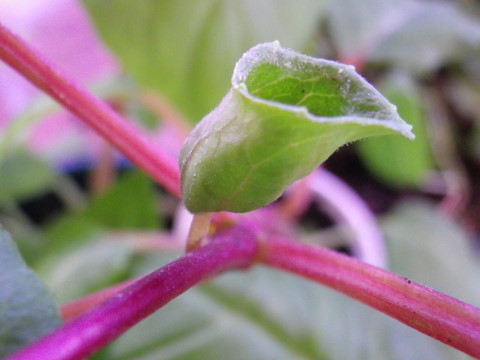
(403,128)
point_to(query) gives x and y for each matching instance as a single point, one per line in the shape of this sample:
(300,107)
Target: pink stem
(98,115)
(348,208)
(88,333)
(440,316)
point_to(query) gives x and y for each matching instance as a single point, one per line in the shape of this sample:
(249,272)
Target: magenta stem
(440,316)
(88,333)
(98,115)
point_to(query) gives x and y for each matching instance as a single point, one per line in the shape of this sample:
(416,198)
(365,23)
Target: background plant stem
(348,209)
(98,115)
(440,316)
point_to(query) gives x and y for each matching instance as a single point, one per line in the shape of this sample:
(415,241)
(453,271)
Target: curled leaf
(285,114)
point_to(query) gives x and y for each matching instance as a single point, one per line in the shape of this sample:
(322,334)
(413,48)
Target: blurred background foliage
(78,211)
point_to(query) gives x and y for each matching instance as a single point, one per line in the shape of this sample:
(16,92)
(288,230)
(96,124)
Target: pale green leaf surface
(434,250)
(67,233)
(27,308)
(393,159)
(437,33)
(355,26)
(82,249)
(87,268)
(130,204)
(186,49)
(23,175)
(415,35)
(430,248)
(285,114)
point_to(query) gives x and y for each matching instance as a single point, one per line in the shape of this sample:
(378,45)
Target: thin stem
(98,115)
(70,193)
(297,199)
(166,112)
(348,208)
(440,316)
(444,149)
(199,229)
(86,334)
(104,171)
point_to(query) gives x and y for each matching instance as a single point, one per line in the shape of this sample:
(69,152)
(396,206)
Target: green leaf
(23,175)
(285,114)
(442,33)
(130,204)
(393,159)
(27,309)
(80,247)
(186,49)
(86,268)
(416,35)
(68,231)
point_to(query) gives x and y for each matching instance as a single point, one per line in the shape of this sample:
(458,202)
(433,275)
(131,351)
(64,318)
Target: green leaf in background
(186,49)
(68,232)
(395,160)
(285,114)
(130,204)
(27,309)
(432,249)
(23,175)
(81,248)
(87,268)
(415,35)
